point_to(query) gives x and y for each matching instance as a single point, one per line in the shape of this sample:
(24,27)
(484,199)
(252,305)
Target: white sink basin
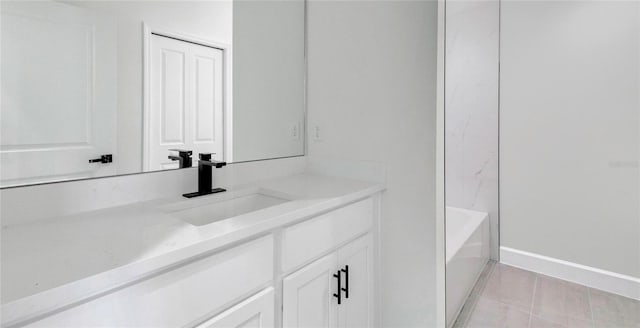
(223,206)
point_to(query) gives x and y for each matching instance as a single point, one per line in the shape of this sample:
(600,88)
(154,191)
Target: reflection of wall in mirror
(207,20)
(268,121)
(268,79)
(45,98)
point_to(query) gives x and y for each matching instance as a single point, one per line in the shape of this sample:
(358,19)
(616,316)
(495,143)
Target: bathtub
(467,252)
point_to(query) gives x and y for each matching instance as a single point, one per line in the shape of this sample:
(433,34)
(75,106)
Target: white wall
(471,108)
(570,81)
(372,94)
(268,79)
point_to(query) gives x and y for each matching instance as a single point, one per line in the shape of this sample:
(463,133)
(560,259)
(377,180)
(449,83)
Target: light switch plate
(316,133)
(295,131)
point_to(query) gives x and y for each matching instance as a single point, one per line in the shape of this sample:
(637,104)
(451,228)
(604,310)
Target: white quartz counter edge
(50,301)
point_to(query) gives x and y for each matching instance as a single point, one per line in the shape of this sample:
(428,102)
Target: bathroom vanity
(293,252)
(168,87)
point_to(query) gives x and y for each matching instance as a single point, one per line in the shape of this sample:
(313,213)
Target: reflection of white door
(186,103)
(58,77)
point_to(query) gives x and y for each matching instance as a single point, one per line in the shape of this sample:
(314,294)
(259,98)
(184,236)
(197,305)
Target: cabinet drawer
(180,297)
(307,240)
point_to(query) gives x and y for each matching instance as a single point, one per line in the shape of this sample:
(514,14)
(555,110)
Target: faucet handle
(206,156)
(183,152)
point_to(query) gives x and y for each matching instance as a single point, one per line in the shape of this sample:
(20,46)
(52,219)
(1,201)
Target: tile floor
(510,297)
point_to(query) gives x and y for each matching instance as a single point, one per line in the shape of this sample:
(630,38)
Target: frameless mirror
(101,88)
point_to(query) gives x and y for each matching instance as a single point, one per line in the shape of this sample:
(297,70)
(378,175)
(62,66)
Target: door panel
(186,105)
(307,295)
(58,109)
(204,99)
(172,98)
(255,312)
(208,102)
(356,311)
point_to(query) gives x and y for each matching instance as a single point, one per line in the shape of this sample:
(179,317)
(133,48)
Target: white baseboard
(580,274)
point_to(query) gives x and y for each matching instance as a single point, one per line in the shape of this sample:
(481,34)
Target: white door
(308,295)
(186,101)
(58,77)
(255,312)
(355,260)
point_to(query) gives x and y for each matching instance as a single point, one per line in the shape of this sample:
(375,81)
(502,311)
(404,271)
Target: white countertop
(57,261)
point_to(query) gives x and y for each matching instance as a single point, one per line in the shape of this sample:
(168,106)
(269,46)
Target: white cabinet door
(255,312)
(308,295)
(59,96)
(186,101)
(355,261)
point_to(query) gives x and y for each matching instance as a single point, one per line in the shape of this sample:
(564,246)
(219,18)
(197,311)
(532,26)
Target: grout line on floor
(593,321)
(533,299)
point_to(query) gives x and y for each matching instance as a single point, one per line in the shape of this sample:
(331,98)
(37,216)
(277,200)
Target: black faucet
(183,158)
(205,176)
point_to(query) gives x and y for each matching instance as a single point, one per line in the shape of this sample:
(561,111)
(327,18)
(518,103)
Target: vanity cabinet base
(315,273)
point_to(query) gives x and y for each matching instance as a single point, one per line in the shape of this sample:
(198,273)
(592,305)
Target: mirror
(102,88)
